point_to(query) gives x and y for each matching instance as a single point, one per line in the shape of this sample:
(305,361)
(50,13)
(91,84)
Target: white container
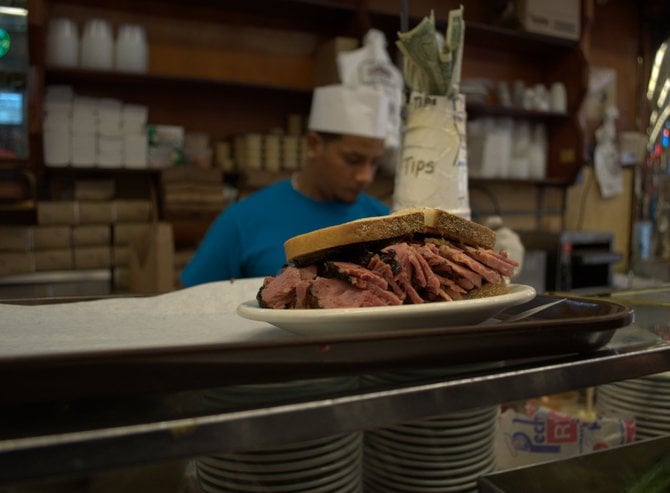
(131,52)
(433,170)
(560,19)
(62,43)
(97,45)
(57,150)
(559,98)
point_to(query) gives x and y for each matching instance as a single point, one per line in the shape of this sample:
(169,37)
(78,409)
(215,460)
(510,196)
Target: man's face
(345,166)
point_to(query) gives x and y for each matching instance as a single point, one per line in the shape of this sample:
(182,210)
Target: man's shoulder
(266,196)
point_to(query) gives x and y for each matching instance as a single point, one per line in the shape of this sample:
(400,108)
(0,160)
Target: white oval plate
(331,321)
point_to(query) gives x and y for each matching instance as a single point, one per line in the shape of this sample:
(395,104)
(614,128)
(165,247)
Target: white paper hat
(348,110)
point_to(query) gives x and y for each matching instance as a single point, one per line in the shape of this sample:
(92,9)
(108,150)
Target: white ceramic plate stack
(325,465)
(443,454)
(647,399)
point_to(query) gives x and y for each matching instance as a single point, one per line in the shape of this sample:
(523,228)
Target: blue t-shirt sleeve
(247,239)
(219,254)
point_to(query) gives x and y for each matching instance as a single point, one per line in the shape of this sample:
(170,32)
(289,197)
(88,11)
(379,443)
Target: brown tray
(577,325)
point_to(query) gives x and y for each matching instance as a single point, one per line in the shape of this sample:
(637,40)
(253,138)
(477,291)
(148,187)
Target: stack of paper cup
(134,135)
(432,171)
(97,45)
(110,143)
(292,151)
(57,124)
(84,128)
(272,152)
(130,49)
(62,42)
(252,151)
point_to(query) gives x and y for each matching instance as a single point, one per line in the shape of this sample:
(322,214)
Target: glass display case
(75,415)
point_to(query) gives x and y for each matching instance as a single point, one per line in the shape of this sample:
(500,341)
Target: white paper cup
(97,45)
(130,53)
(62,43)
(433,169)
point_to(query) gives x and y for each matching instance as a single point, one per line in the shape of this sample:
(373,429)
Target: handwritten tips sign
(432,170)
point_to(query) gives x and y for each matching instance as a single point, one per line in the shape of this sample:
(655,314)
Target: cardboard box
(132,210)
(560,19)
(325,63)
(15,239)
(57,212)
(28,238)
(120,256)
(16,263)
(124,233)
(91,235)
(47,237)
(96,212)
(94,189)
(92,257)
(152,260)
(56,259)
(121,278)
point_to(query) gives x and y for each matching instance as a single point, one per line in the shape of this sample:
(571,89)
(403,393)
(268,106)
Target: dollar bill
(420,45)
(415,78)
(430,65)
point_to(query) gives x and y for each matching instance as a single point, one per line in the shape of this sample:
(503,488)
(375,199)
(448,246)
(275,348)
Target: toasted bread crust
(306,248)
(488,290)
(457,228)
(367,230)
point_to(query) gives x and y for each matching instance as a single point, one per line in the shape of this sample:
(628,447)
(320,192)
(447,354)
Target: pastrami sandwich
(411,256)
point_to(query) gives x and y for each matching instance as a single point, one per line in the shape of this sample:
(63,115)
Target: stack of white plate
(325,465)
(443,454)
(647,399)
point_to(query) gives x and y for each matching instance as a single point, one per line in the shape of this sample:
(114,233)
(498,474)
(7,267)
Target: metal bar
(81,452)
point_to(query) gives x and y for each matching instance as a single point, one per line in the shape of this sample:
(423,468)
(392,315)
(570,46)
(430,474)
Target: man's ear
(314,144)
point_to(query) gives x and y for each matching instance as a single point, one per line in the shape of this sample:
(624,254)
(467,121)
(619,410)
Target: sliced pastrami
(450,287)
(280,291)
(498,261)
(454,253)
(463,276)
(384,269)
(336,293)
(406,269)
(356,274)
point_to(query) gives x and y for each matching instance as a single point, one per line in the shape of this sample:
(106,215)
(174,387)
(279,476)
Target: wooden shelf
(325,17)
(94,170)
(545,182)
(145,81)
(501,38)
(478,109)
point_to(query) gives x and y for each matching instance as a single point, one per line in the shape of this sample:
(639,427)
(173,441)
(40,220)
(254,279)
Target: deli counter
(94,399)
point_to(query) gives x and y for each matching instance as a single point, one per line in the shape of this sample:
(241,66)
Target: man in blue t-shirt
(347,128)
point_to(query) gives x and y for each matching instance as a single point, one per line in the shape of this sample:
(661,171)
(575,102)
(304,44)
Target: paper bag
(151,260)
